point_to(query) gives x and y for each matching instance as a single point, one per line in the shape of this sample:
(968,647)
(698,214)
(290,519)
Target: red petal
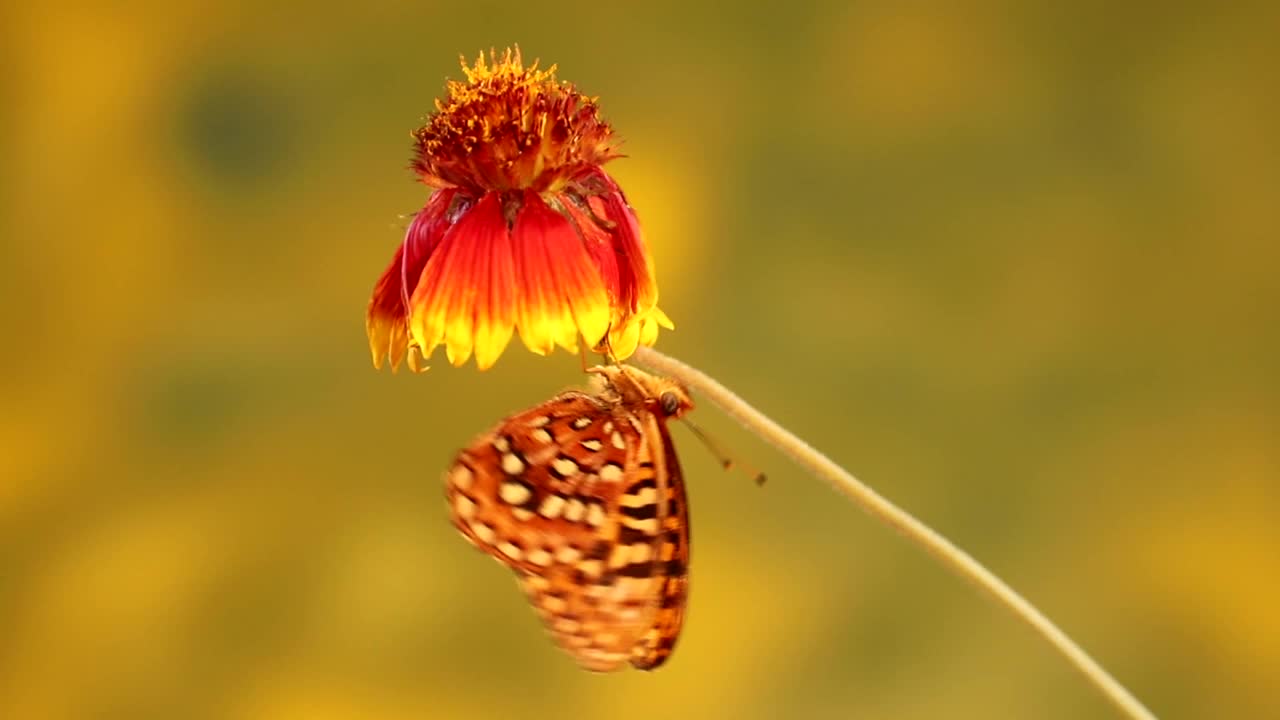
(384,321)
(496,309)
(424,235)
(561,292)
(597,241)
(386,318)
(465,297)
(635,266)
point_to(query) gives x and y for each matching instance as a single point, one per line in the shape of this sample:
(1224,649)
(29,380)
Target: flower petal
(589,235)
(648,333)
(612,236)
(424,235)
(650,323)
(623,339)
(561,291)
(386,321)
(496,308)
(541,312)
(456,301)
(637,289)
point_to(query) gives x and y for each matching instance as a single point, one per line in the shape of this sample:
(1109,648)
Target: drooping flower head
(524,230)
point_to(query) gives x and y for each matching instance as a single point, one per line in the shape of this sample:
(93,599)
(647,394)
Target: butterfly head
(632,387)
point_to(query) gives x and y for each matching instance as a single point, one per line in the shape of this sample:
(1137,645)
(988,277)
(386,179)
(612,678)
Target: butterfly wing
(671,558)
(516,492)
(567,495)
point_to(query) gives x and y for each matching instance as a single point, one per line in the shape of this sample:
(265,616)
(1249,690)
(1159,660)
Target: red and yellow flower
(524,230)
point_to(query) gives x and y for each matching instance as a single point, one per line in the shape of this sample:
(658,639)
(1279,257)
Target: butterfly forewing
(523,492)
(671,561)
(583,499)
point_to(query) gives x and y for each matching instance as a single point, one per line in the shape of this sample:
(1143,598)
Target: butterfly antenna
(726,461)
(604,348)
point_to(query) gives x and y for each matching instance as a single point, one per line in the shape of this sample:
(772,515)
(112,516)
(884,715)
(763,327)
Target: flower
(524,230)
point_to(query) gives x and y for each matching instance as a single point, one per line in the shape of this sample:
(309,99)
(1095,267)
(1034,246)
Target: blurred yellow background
(1015,266)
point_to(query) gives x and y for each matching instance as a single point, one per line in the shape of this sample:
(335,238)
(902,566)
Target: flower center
(509,127)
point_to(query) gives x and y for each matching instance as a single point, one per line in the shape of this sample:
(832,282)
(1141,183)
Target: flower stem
(946,552)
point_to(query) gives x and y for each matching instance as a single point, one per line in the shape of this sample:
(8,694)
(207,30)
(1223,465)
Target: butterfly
(582,497)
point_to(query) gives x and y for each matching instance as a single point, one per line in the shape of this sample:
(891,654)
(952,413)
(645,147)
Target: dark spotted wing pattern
(583,499)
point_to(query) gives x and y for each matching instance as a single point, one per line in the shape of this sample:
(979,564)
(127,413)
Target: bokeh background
(1014,264)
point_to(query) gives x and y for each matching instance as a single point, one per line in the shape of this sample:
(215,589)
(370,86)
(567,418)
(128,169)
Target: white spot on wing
(511,464)
(565,466)
(641,552)
(619,556)
(461,476)
(463,507)
(483,532)
(514,493)
(648,527)
(510,551)
(646,496)
(551,507)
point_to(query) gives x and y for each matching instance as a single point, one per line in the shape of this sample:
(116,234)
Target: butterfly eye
(670,403)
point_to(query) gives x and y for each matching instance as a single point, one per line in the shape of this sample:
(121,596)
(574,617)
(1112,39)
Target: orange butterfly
(583,498)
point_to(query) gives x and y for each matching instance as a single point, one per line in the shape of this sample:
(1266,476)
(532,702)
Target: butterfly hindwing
(671,560)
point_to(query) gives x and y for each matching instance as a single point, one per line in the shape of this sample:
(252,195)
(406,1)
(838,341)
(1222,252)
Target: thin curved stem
(946,552)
